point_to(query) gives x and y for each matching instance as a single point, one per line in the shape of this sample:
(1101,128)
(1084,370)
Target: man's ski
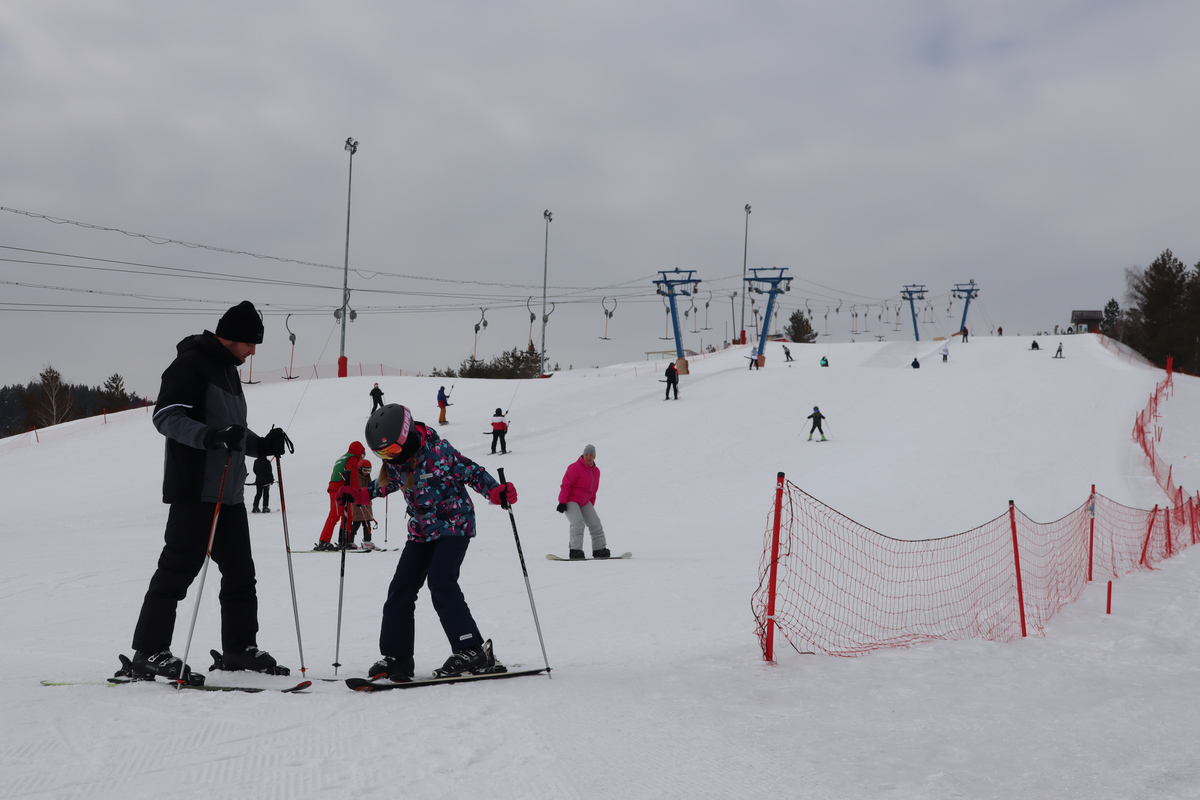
(115,681)
(348,552)
(366,685)
(552,557)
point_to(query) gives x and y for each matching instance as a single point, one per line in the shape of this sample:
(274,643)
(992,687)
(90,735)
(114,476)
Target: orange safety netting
(830,585)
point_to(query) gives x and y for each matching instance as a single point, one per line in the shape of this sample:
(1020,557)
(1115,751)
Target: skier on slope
(201,412)
(499,431)
(816,418)
(433,477)
(945,353)
(376,398)
(361,514)
(577,499)
(345,473)
(443,402)
(672,381)
(262,483)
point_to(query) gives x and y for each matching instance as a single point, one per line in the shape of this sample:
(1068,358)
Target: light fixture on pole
(745,252)
(352,148)
(545,271)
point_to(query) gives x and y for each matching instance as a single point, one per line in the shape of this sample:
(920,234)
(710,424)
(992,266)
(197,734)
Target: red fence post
(1149,531)
(1012,518)
(1091,530)
(769,649)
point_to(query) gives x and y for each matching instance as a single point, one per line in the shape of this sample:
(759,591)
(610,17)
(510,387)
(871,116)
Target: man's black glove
(225,438)
(562,507)
(275,443)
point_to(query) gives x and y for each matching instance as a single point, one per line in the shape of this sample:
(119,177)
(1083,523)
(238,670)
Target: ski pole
(287,546)
(520,555)
(337,647)
(204,570)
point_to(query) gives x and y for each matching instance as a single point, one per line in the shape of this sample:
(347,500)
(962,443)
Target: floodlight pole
(549,217)
(745,253)
(352,148)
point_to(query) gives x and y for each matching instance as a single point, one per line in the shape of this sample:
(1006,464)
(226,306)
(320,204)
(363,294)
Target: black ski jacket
(201,390)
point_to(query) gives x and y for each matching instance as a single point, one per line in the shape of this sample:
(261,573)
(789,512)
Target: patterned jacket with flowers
(438,503)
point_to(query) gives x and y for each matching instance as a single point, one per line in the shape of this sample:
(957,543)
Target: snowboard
(367,685)
(552,557)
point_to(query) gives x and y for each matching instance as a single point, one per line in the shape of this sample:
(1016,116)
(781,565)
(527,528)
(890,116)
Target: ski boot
(369,545)
(576,555)
(397,670)
(470,661)
(601,553)
(324,546)
(251,659)
(146,666)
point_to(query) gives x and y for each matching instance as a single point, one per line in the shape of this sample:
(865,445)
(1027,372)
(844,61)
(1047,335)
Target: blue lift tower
(910,293)
(671,287)
(773,278)
(968,291)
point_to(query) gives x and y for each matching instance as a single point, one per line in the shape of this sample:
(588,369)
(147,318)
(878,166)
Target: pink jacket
(580,483)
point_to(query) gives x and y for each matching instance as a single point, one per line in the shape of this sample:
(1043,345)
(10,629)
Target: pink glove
(350,495)
(503,495)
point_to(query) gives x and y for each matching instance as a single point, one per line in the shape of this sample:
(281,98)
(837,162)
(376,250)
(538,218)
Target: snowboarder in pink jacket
(577,499)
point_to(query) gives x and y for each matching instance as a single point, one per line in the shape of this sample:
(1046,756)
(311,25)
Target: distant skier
(824,361)
(816,418)
(1000,331)
(345,473)
(361,514)
(672,381)
(262,484)
(577,499)
(1058,353)
(376,398)
(964,333)
(1034,346)
(499,431)
(945,353)
(753,362)
(443,401)
(787,354)
(916,364)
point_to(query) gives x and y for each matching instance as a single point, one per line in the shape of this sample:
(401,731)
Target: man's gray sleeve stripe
(168,408)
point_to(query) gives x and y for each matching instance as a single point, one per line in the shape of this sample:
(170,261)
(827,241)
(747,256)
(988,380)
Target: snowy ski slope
(658,688)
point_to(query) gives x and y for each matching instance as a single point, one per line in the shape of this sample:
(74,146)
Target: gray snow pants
(578,516)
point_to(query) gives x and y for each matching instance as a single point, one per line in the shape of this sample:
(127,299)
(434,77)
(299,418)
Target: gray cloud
(1039,149)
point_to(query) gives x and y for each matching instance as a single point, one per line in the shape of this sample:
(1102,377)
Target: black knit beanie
(241,324)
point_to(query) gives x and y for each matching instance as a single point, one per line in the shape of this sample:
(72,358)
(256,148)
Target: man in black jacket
(202,413)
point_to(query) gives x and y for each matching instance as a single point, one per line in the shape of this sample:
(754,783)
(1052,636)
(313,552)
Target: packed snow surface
(658,688)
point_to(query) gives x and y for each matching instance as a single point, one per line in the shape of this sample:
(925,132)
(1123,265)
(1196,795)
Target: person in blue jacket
(433,478)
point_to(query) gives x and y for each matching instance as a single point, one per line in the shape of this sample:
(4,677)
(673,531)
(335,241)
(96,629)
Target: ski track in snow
(658,688)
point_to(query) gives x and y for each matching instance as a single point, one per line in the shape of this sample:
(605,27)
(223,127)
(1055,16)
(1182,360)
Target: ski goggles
(389,452)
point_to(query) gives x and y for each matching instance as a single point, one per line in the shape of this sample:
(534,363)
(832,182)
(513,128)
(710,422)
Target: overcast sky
(1038,148)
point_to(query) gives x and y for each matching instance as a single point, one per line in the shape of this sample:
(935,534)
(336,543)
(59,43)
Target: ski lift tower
(910,293)
(774,278)
(671,287)
(966,291)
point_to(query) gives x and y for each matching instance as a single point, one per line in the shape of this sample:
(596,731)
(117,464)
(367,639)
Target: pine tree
(1157,313)
(114,393)
(799,329)
(1113,324)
